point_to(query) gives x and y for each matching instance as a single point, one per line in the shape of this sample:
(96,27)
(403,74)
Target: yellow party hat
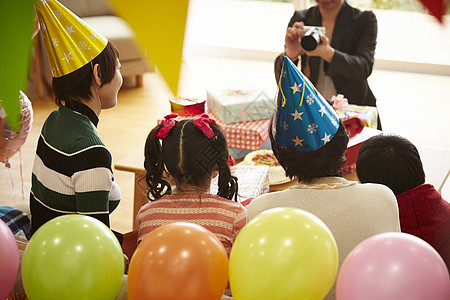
(70,42)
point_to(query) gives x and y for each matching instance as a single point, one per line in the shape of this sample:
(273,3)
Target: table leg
(140,80)
(140,197)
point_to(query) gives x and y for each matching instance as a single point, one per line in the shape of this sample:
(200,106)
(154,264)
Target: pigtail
(228,184)
(155,168)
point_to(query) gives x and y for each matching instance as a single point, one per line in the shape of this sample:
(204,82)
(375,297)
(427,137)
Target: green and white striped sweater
(72,170)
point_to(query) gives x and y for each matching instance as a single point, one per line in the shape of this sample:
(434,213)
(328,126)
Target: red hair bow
(203,122)
(168,122)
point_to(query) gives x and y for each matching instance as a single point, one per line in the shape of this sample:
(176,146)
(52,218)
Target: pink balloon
(393,265)
(12,141)
(9,260)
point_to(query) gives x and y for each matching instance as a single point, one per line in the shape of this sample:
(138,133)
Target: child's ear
(96,73)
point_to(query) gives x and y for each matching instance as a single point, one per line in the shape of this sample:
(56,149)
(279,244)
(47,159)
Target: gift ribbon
(243,116)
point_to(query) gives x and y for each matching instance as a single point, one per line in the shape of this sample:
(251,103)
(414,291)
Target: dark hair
(76,86)
(391,160)
(190,157)
(308,165)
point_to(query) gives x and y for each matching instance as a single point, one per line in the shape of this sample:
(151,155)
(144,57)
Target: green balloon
(73,257)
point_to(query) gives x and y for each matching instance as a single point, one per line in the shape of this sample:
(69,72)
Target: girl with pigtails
(191,151)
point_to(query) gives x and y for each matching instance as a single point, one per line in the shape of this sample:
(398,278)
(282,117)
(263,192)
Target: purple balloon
(9,260)
(393,265)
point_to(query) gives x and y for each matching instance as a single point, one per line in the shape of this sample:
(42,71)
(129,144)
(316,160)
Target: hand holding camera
(295,35)
(311,37)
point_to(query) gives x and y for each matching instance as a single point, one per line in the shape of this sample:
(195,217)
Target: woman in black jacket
(344,58)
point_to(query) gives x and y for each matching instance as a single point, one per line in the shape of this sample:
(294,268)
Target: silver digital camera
(307,28)
(311,37)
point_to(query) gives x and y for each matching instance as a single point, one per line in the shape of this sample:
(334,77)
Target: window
(256,29)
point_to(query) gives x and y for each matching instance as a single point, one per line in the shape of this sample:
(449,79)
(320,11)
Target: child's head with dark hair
(189,156)
(76,86)
(307,165)
(390,160)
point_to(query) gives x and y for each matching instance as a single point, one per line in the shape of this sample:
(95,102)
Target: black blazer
(354,40)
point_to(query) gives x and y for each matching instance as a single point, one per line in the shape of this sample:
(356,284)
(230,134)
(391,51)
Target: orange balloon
(178,261)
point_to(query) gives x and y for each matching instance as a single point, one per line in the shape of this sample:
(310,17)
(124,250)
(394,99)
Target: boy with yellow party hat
(72,172)
(310,143)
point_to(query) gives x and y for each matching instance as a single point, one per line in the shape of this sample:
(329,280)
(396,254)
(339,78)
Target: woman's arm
(357,66)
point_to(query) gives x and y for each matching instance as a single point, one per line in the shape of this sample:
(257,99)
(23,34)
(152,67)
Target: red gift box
(187,106)
(249,135)
(245,135)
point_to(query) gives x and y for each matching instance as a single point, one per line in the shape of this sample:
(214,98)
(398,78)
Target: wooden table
(436,163)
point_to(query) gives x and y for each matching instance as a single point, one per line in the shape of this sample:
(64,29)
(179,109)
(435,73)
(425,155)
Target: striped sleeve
(93,181)
(114,196)
(85,174)
(239,222)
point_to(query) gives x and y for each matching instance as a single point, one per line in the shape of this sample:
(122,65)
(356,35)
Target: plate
(276,172)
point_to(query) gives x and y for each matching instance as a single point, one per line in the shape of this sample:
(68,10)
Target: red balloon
(178,261)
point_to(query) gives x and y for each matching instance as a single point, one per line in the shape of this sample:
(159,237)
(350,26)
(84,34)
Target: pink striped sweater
(223,217)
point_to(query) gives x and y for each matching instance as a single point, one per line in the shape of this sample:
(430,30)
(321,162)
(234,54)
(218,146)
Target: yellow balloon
(283,253)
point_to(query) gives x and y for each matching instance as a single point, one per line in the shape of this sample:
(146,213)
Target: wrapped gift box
(252,181)
(234,106)
(247,135)
(367,114)
(354,144)
(187,106)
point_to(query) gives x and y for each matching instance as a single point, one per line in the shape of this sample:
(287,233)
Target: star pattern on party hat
(303,120)
(69,41)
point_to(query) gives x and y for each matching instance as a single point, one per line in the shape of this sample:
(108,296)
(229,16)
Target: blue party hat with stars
(303,119)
